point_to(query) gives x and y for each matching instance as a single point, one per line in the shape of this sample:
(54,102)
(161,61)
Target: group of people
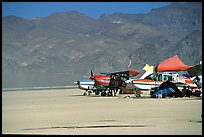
(169,89)
(188,92)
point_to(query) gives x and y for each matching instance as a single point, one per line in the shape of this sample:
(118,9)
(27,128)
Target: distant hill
(64,47)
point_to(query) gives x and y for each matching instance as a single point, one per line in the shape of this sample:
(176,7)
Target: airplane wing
(126,74)
(195,70)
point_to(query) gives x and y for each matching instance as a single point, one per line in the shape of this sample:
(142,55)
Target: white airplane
(166,70)
(85,84)
(152,80)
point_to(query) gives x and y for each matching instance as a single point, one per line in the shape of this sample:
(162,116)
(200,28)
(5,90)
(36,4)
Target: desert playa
(68,112)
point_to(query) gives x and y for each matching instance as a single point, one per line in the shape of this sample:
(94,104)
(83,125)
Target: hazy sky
(91,9)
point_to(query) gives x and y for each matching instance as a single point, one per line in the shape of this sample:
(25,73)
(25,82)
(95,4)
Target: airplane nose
(76,82)
(91,77)
(128,81)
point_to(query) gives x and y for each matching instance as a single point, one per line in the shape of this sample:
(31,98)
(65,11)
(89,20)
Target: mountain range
(65,46)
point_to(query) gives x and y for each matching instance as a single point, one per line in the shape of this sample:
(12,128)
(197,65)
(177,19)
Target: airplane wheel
(85,94)
(137,95)
(97,92)
(103,93)
(110,94)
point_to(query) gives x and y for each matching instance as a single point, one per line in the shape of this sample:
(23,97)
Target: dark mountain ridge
(64,47)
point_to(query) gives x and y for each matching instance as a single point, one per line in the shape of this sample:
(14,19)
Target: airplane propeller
(92,75)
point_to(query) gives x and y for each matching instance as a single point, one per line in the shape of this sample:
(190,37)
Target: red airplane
(109,83)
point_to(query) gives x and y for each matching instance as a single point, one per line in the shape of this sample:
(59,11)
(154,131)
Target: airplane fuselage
(85,84)
(149,81)
(101,80)
(107,81)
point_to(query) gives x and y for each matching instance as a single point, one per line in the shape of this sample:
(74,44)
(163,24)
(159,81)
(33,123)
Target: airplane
(107,84)
(154,80)
(166,70)
(151,79)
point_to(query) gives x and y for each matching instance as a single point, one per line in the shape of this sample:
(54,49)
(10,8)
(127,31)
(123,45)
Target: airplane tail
(130,61)
(92,75)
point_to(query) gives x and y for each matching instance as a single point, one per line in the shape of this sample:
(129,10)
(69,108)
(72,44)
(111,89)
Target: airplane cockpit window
(160,77)
(151,77)
(167,77)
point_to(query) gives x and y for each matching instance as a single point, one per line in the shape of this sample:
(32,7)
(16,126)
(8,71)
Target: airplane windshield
(151,77)
(160,77)
(167,77)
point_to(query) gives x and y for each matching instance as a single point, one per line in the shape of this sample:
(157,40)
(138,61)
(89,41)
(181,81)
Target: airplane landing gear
(88,92)
(85,93)
(103,93)
(110,93)
(97,92)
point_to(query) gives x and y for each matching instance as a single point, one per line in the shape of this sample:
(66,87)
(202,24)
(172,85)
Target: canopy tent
(171,64)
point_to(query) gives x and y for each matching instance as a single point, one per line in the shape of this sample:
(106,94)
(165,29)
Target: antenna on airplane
(130,61)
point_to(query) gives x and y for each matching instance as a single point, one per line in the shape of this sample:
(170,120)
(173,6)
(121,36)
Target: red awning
(171,64)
